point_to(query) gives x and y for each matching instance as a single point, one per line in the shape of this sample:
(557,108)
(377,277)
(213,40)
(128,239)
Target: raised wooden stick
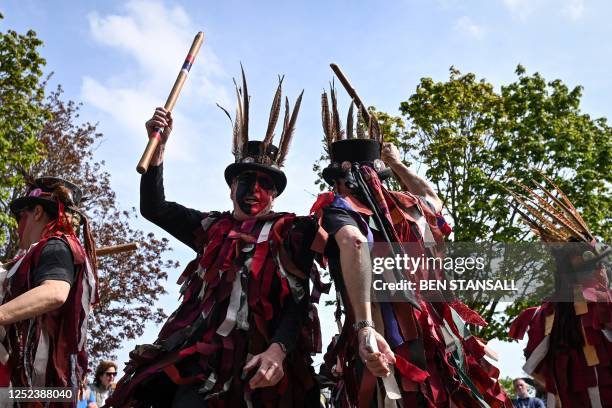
(351,91)
(154,139)
(117,249)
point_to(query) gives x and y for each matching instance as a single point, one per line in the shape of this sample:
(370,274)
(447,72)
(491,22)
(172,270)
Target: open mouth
(251,200)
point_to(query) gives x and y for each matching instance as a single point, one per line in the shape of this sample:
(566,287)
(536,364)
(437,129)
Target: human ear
(39,212)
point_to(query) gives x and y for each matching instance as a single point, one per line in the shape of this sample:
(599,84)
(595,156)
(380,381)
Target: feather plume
(336,130)
(568,207)
(349,122)
(238,141)
(326,121)
(274,114)
(539,220)
(360,125)
(376,133)
(555,220)
(553,213)
(245,109)
(234,132)
(287,135)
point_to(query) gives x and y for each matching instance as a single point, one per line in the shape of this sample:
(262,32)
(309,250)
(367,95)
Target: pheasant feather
(245,109)
(349,122)
(287,135)
(326,121)
(274,114)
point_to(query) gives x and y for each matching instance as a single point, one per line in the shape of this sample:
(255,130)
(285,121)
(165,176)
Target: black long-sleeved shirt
(182,222)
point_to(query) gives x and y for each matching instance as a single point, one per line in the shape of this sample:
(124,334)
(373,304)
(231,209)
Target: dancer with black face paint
(244,331)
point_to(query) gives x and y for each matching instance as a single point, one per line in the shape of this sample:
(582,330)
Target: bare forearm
(356,272)
(416,185)
(36,301)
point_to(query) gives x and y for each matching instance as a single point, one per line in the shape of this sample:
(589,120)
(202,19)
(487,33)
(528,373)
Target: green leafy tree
(22,115)
(475,141)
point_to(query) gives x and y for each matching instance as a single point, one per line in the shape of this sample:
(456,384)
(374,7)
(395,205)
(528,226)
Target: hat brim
(330,174)
(22,203)
(277,176)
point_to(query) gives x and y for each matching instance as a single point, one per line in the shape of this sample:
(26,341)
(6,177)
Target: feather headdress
(268,154)
(362,128)
(549,212)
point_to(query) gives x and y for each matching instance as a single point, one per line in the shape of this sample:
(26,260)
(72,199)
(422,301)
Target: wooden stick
(350,90)
(117,249)
(154,139)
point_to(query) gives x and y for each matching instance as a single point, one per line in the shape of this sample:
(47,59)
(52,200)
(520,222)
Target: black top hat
(255,159)
(46,191)
(348,151)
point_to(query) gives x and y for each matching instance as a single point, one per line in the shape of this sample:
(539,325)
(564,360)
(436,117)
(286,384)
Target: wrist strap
(282,346)
(362,324)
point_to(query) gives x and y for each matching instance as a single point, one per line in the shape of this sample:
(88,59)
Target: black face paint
(257,188)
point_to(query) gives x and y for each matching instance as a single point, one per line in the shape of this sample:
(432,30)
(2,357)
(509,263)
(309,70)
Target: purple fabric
(392,333)
(340,202)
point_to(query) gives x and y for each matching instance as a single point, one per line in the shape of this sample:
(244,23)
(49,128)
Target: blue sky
(120,58)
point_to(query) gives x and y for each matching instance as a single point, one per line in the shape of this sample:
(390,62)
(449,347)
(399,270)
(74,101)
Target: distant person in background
(86,396)
(523,400)
(103,384)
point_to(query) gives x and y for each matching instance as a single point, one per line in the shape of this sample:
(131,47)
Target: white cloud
(156,38)
(466,26)
(573,9)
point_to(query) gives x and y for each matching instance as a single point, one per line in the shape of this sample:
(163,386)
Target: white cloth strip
(4,355)
(41,359)
(265,232)
(608,334)
(537,356)
(594,395)
(232,309)
(391,388)
(551,400)
(88,289)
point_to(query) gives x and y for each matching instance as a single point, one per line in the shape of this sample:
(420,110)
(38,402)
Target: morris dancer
(569,351)
(425,355)
(48,290)
(241,336)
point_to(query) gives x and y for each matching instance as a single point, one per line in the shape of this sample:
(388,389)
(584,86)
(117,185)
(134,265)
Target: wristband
(282,346)
(362,324)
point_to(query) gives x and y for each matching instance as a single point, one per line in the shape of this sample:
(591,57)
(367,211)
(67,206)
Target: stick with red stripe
(143,164)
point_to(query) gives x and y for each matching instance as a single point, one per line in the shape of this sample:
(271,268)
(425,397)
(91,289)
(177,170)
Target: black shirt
(179,221)
(55,263)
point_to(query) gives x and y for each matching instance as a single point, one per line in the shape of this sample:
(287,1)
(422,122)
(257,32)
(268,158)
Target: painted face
(254,191)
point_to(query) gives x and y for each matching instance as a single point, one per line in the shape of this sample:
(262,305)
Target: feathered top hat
(361,142)
(550,215)
(261,155)
(48,191)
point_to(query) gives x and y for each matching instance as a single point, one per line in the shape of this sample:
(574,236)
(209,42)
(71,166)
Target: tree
(475,141)
(130,283)
(21,113)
